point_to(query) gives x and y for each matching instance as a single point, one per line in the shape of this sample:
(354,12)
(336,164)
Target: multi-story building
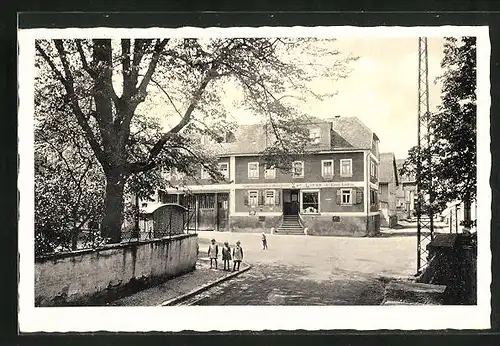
(406,193)
(331,190)
(388,185)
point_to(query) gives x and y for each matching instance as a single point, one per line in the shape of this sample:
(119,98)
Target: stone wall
(253,223)
(453,261)
(95,277)
(354,226)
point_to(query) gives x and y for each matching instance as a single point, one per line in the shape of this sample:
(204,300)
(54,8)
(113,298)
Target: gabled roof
(345,133)
(350,132)
(388,172)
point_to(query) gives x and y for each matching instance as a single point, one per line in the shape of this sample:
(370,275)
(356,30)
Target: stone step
(290,232)
(414,292)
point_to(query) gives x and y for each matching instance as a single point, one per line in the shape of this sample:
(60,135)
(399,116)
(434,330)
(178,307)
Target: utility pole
(425,196)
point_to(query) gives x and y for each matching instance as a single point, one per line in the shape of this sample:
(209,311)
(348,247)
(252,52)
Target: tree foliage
(453,129)
(113,88)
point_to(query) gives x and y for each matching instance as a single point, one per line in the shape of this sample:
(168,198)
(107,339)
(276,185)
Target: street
(306,270)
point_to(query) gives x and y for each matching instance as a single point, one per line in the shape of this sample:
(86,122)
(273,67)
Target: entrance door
(222,211)
(290,202)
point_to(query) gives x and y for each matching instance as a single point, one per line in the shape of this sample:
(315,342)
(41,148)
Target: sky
(381,90)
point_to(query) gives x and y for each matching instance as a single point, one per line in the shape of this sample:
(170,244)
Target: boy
(226,255)
(264,241)
(213,253)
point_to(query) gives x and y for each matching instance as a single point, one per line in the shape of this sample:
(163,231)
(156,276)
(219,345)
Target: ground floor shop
(323,210)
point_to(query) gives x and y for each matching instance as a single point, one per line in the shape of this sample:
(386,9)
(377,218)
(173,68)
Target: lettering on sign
(303,185)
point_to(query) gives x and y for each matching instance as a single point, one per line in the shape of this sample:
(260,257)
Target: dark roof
(388,170)
(350,133)
(346,133)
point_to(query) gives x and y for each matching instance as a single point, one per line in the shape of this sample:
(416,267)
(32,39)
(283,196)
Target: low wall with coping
(98,276)
(452,262)
(354,226)
(253,223)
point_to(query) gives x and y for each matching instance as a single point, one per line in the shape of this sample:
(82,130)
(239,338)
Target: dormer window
(314,135)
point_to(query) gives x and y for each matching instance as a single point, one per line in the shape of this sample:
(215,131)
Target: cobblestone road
(299,270)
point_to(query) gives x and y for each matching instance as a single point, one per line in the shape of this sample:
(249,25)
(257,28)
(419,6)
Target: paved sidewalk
(177,287)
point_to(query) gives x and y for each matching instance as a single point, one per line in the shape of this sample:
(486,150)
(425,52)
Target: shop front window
(310,202)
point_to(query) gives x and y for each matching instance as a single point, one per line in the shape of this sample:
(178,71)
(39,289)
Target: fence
(166,220)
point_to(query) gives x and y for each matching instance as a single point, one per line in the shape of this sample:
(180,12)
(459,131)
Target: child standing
(213,253)
(226,255)
(264,241)
(237,256)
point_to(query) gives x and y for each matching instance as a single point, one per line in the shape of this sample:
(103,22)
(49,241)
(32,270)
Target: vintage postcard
(274,178)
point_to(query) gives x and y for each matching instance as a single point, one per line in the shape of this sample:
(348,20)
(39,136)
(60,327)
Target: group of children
(213,254)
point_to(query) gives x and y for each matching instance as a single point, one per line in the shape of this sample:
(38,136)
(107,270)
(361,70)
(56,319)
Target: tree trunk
(137,211)
(467,211)
(113,207)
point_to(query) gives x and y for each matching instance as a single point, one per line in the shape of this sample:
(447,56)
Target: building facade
(331,190)
(406,194)
(388,185)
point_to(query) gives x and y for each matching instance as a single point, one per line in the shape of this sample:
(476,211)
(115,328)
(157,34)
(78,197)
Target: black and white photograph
(254,178)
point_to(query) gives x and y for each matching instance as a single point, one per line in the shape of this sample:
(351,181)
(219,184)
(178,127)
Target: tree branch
(85,63)
(50,63)
(80,117)
(168,96)
(141,90)
(182,123)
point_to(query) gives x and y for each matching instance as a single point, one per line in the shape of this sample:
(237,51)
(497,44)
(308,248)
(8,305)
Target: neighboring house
(406,193)
(454,215)
(332,190)
(388,185)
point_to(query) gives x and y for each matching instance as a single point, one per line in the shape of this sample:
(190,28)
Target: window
(374,197)
(253,198)
(310,202)
(298,169)
(164,197)
(327,168)
(346,197)
(314,135)
(173,198)
(270,197)
(224,169)
(253,170)
(373,169)
(204,174)
(206,201)
(270,173)
(346,168)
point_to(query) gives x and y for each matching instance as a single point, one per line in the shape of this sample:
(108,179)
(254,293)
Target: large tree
(453,130)
(107,83)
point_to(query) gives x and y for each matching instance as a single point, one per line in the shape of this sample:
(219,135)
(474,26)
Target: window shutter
(245,200)
(359,197)
(262,197)
(277,199)
(339,196)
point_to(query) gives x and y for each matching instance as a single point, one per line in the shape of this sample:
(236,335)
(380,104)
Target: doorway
(290,202)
